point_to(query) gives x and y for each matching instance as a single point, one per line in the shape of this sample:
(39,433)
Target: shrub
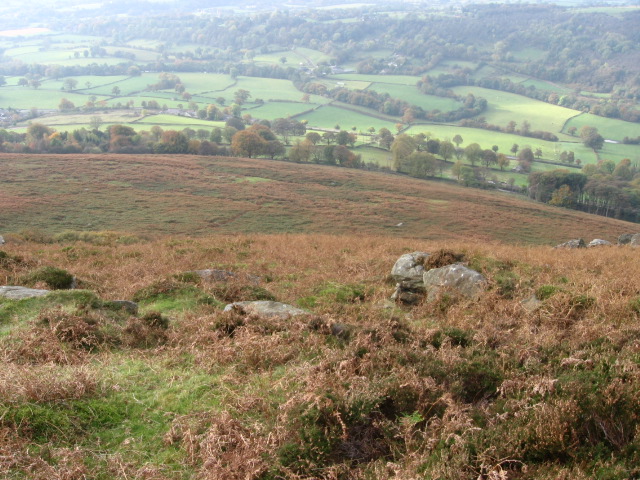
(55,278)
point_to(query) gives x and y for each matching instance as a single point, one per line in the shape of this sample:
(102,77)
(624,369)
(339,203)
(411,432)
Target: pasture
(415,97)
(504,107)
(395,79)
(609,128)
(328,116)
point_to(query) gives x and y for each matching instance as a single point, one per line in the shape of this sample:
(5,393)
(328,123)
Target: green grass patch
(609,128)
(328,116)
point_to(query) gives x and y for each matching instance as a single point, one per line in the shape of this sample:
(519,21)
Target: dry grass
(498,388)
(152,195)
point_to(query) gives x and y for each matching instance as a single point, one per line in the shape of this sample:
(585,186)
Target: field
(415,97)
(504,107)
(328,116)
(206,195)
(609,128)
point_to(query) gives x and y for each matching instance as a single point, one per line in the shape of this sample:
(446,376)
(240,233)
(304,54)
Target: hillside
(151,195)
(535,379)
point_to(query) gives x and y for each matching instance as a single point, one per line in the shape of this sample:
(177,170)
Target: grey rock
(455,279)
(409,269)
(215,275)
(266,309)
(625,238)
(407,296)
(635,240)
(18,293)
(575,243)
(2,242)
(598,242)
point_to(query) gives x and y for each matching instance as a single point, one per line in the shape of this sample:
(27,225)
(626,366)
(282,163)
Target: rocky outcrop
(2,242)
(598,242)
(576,243)
(19,293)
(266,309)
(408,271)
(409,268)
(456,280)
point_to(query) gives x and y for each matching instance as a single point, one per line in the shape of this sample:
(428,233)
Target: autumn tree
(473,152)
(591,138)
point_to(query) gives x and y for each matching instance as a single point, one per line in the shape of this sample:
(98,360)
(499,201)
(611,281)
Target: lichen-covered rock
(18,293)
(266,309)
(456,280)
(409,268)
(598,242)
(2,242)
(635,240)
(625,239)
(216,275)
(575,243)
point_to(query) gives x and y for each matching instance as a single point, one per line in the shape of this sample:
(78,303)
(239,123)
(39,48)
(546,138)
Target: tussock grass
(501,387)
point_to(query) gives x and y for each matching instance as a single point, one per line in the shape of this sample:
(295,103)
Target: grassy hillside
(502,387)
(211,195)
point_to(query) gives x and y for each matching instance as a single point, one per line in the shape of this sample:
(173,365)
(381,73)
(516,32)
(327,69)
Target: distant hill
(213,195)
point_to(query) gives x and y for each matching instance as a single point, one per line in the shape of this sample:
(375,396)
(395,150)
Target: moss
(547,291)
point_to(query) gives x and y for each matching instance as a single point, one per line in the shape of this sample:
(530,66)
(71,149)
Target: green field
(396,79)
(175,120)
(350,84)
(504,107)
(328,116)
(271,110)
(487,138)
(413,96)
(609,128)
(26,98)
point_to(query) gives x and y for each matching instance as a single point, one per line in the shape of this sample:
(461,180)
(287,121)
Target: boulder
(18,293)
(409,268)
(266,309)
(598,242)
(625,239)
(576,243)
(455,279)
(215,275)
(2,242)
(635,240)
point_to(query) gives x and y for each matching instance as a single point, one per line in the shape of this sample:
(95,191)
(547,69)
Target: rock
(635,240)
(576,243)
(126,305)
(2,242)
(18,293)
(409,268)
(215,275)
(531,304)
(598,242)
(407,296)
(625,238)
(456,279)
(266,309)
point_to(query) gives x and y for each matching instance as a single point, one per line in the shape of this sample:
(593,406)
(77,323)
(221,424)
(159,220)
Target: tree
(95,122)
(240,96)
(342,138)
(495,148)
(514,149)
(538,152)
(489,157)
(457,169)
(301,151)
(403,146)
(591,138)
(385,138)
(473,152)
(66,105)
(69,84)
(313,137)
(457,139)
(503,161)
(572,131)
(447,150)
(248,143)
(115,91)
(525,155)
